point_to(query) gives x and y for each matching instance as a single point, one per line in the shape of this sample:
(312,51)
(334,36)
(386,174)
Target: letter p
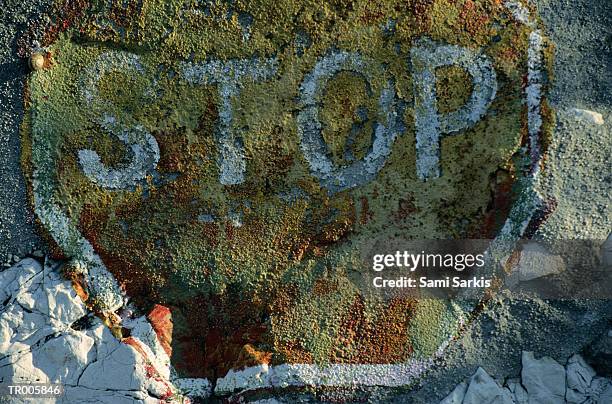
(426,56)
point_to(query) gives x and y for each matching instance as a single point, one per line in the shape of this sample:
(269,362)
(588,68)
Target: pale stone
(37,61)
(38,344)
(519,394)
(484,389)
(456,396)
(588,116)
(544,379)
(579,375)
(536,262)
(602,390)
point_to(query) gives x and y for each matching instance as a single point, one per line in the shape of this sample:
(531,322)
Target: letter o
(332,177)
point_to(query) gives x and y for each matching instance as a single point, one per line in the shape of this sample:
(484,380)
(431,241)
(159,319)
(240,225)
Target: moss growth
(179,237)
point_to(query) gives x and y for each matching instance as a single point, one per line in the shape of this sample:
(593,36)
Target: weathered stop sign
(230,159)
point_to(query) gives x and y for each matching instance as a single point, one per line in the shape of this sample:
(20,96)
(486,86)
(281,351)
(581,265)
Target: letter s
(142,145)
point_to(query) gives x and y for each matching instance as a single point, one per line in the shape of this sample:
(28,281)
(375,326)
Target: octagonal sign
(230,161)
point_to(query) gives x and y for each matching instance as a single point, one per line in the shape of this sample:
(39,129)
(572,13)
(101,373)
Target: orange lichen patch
(210,233)
(345,217)
(211,335)
(249,356)
(383,340)
(474,20)
(271,171)
(178,148)
(133,279)
(417,14)
(229,231)
(161,321)
(283,298)
(78,281)
(323,286)
(509,54)
(170,147)
(123,13)
(372,15)
(292,352)
(300,249)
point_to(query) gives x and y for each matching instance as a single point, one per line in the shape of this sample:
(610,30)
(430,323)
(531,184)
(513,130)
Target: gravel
(17,233)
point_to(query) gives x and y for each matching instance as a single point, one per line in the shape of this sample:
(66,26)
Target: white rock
(601,390)
(606,254)
(37,344)
(544,379)
(63,359)
(588,116)
(519,394)
(249,378)
(484,389)
(536,262)
(118,369)
(17,277)
(456,396)
(142,330)
(579,376)
(193,387)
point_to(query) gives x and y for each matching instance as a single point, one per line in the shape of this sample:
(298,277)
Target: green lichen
(152,237)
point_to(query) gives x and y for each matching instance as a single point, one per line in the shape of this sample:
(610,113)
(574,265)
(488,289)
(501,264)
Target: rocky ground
(49,336)
(542,380)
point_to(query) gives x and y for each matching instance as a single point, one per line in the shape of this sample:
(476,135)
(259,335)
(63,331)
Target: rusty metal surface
(232,161)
